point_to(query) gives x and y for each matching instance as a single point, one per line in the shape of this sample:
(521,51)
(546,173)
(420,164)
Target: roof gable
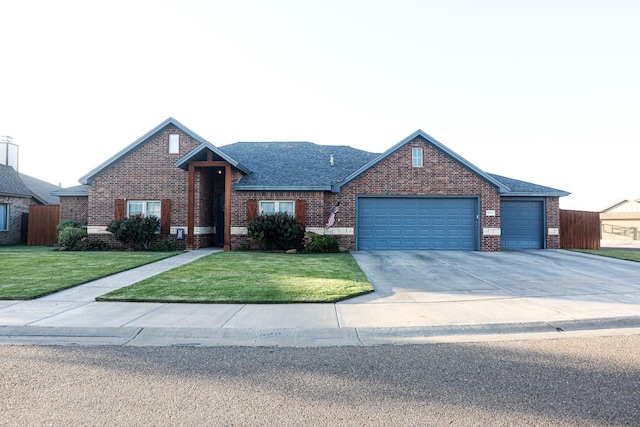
(626,205)
(419,133)
(200,152)
(88,178)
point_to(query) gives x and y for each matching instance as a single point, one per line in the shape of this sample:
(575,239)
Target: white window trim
(144,207)
(277,205)
(414,157)
(174,143)
(8,216)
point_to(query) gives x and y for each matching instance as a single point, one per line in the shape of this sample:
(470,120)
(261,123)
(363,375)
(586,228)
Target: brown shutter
(301,212)
(165,216)
(252,209)
(119,209)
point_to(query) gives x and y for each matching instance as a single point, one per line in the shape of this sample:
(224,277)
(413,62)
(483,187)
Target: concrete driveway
(419,288)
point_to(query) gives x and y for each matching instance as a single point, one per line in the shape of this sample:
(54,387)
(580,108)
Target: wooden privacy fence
(43,221)
(579,230)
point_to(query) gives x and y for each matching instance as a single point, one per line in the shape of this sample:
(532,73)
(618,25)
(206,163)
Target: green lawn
(614,253)
(33,271)
(253,277)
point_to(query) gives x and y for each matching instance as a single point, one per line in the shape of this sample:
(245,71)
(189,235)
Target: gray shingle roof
(78,190)
(523,188)
(295,165)
(11,183)
(41,189)
(21,185)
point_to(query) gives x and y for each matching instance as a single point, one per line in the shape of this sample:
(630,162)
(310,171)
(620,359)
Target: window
(416,157)
(270,207)
(143,207)
(4,217)
(174,143)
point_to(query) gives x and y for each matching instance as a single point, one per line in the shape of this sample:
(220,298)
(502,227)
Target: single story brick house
(419,194)
(18,191)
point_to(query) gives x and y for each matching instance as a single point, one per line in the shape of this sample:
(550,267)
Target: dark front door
(220,220)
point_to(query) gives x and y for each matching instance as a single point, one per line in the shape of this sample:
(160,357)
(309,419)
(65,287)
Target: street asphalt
(421,296)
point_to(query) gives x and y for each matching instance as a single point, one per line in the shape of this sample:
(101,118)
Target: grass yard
(253,277)
(30,272)
(614,253)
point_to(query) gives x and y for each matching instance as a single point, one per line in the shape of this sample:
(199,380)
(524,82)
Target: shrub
(70,237)
(314,242)
(66,223)
(87,244)
(164,246)
(135,232)
(279,231)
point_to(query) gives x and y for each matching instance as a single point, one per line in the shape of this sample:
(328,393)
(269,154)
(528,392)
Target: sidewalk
(73,317)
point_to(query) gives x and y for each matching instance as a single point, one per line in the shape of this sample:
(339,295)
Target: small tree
(135,232)
(278,231)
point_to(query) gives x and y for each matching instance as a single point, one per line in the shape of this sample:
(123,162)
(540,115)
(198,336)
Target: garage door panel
(416,223)
(522,224)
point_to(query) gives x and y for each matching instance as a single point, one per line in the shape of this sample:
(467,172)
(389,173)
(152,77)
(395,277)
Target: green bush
(87,244)
(70,237)
(314,242)
(278,231)
(66,223)
(135,232)
(164,246)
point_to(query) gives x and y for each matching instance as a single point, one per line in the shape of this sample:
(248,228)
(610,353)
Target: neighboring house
(417,195)
(17,192)
(621,221)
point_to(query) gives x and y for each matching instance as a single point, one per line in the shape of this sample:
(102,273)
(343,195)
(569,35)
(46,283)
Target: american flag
(332,217)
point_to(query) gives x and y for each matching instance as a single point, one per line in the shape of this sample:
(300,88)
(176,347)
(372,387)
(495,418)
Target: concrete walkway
(469,297)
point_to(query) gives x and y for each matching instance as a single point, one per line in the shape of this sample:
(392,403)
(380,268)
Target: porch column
(227,207)
(191,207)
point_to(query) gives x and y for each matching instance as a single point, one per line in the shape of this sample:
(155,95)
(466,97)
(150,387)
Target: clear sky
(546,91)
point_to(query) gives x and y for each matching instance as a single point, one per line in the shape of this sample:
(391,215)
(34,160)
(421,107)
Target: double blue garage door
(396,223)
(443,223)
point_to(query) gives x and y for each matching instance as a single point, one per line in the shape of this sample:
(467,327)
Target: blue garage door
(396,223)
(522,224)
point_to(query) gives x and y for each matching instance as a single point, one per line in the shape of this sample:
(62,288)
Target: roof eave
(535,194)
(69,194)
(22,195)
(240,187)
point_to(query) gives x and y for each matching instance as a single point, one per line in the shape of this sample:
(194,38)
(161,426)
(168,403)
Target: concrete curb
(320,337)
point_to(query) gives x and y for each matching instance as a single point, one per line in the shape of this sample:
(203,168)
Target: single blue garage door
(396,223)
(522,224)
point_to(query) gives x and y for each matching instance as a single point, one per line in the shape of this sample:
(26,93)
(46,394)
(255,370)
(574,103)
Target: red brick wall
(441,175)
(75,208)
(147,173)
(553,221)
(314,212)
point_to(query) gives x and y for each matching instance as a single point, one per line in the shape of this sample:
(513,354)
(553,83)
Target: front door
(220,220)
